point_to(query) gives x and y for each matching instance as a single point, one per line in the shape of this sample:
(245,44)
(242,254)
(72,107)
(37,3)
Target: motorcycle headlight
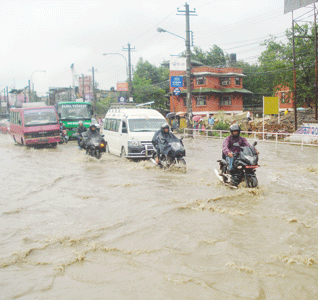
(175,146)
(134,144)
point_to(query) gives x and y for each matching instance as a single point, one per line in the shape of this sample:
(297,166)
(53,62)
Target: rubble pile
(286,122)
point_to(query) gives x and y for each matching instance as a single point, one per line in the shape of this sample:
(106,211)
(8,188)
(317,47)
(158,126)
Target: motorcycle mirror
(254,144)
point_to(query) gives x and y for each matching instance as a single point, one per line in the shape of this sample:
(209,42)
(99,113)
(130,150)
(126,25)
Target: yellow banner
(271,106)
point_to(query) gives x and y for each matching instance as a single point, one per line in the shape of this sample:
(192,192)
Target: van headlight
(134,144)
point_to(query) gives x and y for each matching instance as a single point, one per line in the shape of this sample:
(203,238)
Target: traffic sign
(177,91)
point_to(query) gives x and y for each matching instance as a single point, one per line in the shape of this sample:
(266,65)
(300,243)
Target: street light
(188,73)
(128,74)
(31,83)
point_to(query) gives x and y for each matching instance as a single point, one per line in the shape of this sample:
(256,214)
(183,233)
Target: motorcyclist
(62,127)
(229,149)
(161,138)
(93,131)
(80,129)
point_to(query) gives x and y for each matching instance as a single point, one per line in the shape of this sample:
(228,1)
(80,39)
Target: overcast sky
(52,35)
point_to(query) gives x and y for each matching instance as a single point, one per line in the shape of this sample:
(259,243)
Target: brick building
(213,89)
(285,97)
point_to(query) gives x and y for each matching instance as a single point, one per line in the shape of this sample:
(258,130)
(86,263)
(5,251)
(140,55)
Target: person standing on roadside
(211,121)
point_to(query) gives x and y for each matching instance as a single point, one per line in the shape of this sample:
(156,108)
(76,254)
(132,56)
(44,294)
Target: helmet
(92,127)
(80,123)
(165,126)
(235,127)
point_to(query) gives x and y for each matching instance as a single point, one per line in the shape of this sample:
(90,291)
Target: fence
(271,137)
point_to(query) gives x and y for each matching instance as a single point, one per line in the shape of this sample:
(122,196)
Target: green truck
(70,113)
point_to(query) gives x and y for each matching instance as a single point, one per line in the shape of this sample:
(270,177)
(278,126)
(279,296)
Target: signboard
(271,105)
(290,5)
(178,63)
(176,81)
(122,99)
(122,86)
(177,91)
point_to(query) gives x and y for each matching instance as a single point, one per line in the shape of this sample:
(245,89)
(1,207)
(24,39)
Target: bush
(221,125)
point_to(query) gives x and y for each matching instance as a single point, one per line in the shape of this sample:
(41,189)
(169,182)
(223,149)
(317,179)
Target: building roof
(217,74)
(221,91)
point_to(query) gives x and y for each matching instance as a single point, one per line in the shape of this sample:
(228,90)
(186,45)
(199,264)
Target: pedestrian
(248,116)
(211,121)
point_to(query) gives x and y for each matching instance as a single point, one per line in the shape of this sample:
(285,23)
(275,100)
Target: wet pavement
(73,227)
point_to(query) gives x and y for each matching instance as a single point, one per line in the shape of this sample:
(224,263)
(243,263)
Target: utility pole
(294,73)
(29,91)
(188,66)
(129,69)
(94,95)
(83,87)
(316,63)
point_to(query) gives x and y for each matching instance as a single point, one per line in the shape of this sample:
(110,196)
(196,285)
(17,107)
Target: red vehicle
(35,125)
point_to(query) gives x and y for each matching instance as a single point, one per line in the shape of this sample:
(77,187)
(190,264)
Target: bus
(34,125)
(70,113)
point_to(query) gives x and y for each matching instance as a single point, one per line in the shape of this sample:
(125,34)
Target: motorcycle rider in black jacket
(160,140)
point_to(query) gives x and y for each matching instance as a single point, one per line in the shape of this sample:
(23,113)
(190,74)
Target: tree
(214,57)
(150,84)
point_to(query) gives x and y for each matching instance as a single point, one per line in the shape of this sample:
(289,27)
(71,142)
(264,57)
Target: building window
(201,101)
(237,81)
(226,100)
(200,80)
(225,81)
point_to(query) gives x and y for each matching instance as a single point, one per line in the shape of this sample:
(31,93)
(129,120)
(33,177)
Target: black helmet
(92,127)
(165,126)
(235,127)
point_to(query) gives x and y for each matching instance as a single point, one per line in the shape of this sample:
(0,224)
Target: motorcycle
(94,145)
(63,137)
(244,168)
(175,153)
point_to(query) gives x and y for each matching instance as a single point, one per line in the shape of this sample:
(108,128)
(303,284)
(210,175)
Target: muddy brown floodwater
(73,227)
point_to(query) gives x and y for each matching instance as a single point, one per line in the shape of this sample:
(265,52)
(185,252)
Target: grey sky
(51,35)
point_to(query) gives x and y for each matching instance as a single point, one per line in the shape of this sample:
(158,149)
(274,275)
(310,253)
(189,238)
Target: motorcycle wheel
(251,181)
(182,161)
(97,154)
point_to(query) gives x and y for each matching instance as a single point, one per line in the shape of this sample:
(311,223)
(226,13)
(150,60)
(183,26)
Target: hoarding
(271,106)
(178,64)
(122,86)
(290,5)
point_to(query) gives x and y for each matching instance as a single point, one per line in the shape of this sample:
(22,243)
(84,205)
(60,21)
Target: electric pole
(294,73)
(94,95)
(129,69)
(188,65)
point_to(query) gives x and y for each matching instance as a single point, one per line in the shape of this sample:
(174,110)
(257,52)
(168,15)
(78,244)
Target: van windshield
(144,125)
(37,117)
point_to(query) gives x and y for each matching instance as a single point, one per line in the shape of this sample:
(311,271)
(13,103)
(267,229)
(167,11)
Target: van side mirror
(254,144)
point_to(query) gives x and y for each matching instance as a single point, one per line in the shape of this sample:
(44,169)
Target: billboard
(122,86)
(178,64)
(271,105)
(290,5)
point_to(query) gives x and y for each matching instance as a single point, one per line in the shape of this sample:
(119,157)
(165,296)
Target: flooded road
(73,227)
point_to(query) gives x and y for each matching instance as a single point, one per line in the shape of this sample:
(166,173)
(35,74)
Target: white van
(128,130)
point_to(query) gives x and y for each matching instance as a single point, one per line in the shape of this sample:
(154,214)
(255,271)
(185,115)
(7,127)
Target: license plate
(43,140)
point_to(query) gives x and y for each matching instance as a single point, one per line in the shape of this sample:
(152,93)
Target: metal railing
(270,137)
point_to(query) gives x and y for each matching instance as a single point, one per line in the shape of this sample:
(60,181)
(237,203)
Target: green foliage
(214,57)
(151,84)
(221,125)
(103,105)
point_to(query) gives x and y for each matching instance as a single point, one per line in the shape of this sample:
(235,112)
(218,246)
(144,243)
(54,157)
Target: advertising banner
(178,63)
(122,86)
(291,5)
(271,106)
